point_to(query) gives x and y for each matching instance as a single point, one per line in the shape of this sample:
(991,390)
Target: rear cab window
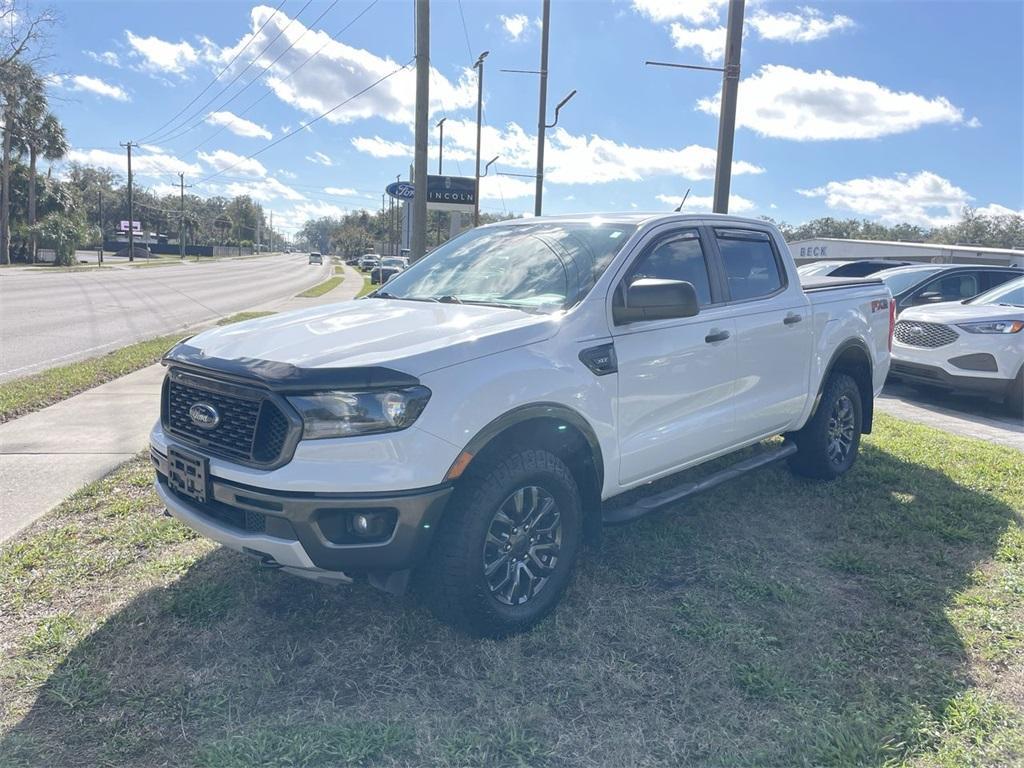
(752,267)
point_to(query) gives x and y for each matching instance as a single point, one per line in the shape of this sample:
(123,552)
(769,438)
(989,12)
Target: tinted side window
(750,265)
(992,279)
(679,257)
(954,287)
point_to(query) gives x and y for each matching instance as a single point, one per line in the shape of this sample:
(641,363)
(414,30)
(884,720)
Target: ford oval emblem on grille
(204,415)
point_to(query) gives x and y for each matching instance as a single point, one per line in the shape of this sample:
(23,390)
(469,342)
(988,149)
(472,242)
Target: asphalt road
(50,318)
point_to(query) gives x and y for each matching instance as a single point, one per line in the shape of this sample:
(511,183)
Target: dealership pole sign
(444,193)
(135,225)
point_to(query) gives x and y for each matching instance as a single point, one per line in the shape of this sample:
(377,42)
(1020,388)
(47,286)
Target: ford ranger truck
(467,427)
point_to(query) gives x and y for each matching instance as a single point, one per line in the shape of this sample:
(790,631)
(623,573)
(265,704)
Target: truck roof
(638,217)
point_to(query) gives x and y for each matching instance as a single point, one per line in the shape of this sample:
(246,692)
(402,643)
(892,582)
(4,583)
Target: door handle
(792,318)
(716,335)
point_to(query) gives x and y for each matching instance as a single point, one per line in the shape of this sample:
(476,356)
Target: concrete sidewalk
(48,455)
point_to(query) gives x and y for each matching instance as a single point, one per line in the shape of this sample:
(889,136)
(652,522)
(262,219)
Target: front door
(675,376)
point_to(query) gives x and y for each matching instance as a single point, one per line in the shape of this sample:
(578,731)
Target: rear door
(774,328)
(676,377)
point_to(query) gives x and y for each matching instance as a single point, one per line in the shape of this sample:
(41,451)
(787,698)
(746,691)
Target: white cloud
(339,72)
(238,125)
(701,203)
(802,26)
(693,11)
(924,198)
(320,159)
(494,187)
(223,160)
(994,209)
(515,26)
(109,58)
(711,42)
(264,190)
(287,174)
(569,158)
(381,148)
(99,87)
(341,191)
(145,162)
(292,219)
(161,56)
(788,103)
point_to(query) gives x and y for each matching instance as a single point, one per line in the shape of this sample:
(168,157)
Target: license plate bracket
(187,474)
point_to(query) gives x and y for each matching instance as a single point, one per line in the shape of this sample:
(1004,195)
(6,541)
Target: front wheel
(508,545)
(827,445)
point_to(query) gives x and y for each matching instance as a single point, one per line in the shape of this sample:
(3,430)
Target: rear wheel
(508,546)
(828,443)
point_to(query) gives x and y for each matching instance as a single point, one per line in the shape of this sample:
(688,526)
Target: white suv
(975,345)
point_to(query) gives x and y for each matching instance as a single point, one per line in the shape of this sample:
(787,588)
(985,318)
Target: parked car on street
(388,268)
(464,429)
(316,258)
(935,283)
(368,261)
(857,268)
(975,345)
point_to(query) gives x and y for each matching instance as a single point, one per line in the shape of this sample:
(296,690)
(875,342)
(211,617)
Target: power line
(167,135)
(289,76)
(215,79)
(302,127)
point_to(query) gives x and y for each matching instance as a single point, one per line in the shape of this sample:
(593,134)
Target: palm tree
(46,139)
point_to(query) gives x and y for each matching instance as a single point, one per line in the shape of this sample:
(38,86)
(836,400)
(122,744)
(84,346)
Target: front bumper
(298,531)
(938,377)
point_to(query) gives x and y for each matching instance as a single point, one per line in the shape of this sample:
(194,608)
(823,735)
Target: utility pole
(479,67)
(99,222)
(131,204)
(181,219)
(271,231)
(418,244)
(727,115)
(542,117)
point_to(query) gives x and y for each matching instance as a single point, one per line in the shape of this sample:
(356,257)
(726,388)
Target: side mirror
(929,297)
(654,299)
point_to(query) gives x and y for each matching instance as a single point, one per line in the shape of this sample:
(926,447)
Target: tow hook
(266,561)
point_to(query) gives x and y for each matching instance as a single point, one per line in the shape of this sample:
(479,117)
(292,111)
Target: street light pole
(479,67)
(727,115)
(542,110)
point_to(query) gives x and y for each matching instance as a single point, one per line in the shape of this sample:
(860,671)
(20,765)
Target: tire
(474,534)
(827,445)
(1015,395)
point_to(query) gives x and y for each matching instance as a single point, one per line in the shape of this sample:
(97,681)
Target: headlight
(343,414)
(994,326)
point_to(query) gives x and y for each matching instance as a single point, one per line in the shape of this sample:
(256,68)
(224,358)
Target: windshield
(898,282)
(1008,293)
(541,267)
(394,262)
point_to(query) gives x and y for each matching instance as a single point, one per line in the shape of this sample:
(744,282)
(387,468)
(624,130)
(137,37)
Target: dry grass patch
(875,621)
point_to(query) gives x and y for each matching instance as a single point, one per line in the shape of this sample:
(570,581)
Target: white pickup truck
(465,429)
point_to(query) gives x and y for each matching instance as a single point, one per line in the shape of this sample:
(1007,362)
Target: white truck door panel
(774,327)
(675,393)
(676,377)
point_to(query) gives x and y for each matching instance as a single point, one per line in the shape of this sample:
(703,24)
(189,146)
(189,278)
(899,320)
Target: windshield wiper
(447,299)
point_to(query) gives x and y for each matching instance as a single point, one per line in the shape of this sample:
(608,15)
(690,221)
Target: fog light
(367,525)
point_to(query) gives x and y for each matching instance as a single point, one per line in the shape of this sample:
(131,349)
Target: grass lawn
(875,621)
(39,390)
(367,287)
(321,288)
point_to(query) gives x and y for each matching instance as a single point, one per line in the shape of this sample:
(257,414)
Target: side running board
(647,504)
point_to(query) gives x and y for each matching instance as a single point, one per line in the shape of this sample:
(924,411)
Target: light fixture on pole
(479,67)
(489,164)
(558,107)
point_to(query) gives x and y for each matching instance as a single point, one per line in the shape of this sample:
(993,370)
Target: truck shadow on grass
(774,621)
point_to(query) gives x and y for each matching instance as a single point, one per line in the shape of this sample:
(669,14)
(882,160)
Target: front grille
(928,335)
(251,426)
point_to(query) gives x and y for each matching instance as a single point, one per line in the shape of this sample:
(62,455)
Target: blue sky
(896,111)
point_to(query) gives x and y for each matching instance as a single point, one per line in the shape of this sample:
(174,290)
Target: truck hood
(951,312)
(412,336)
